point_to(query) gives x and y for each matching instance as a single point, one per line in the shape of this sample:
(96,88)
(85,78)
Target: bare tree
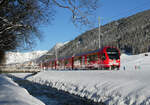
(82,10)
(19,19)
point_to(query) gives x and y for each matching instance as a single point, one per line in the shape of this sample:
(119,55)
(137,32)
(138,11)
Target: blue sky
(62,30)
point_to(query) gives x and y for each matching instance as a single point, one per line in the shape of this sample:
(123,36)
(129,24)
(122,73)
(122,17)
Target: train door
(77,62)
(68,63)
(55,64)
(65,63)
(99,60)
(103,61)
(83,62)
(92,60)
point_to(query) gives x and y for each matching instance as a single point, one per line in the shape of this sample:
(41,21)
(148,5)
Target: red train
(105,58)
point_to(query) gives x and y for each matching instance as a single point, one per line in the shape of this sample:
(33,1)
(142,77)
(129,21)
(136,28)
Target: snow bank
(12,94)
(110,87)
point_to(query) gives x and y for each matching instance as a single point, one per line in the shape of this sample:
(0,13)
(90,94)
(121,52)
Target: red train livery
(105,58)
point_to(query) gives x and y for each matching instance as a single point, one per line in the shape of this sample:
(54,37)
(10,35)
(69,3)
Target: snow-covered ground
(12,94)
(128,86)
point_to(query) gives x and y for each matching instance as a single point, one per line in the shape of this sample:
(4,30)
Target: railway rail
(27,69)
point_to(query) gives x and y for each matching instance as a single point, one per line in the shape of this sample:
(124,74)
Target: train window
(92,57)
(77,60)
(66,61)
(83,59)
(103,56)
(59,63)
(113,53)
(53,62)
(80,59)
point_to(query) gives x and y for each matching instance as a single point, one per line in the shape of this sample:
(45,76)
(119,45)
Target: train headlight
(113,62)
(110,63)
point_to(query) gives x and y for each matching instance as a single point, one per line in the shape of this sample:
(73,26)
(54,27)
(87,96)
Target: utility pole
(99,32)
(56,56)
(56,52)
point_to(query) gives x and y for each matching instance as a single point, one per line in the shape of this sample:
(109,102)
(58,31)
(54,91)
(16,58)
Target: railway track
(18,70)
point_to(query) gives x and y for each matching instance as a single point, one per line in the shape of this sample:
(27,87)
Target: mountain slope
(130,35)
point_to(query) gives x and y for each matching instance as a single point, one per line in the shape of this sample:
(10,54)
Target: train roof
(94,51)
(85,53)
(88,52)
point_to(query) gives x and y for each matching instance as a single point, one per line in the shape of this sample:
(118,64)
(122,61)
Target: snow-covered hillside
(129,86)
(57,46)
(17,57)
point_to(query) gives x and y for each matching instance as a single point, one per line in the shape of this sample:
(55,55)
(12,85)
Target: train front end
(113,58)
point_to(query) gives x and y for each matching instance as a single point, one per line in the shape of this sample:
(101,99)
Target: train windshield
(113,53)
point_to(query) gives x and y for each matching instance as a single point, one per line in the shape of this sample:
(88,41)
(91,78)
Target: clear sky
(62,30)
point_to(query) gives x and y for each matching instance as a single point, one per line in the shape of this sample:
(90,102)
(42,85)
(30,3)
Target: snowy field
(128,86)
